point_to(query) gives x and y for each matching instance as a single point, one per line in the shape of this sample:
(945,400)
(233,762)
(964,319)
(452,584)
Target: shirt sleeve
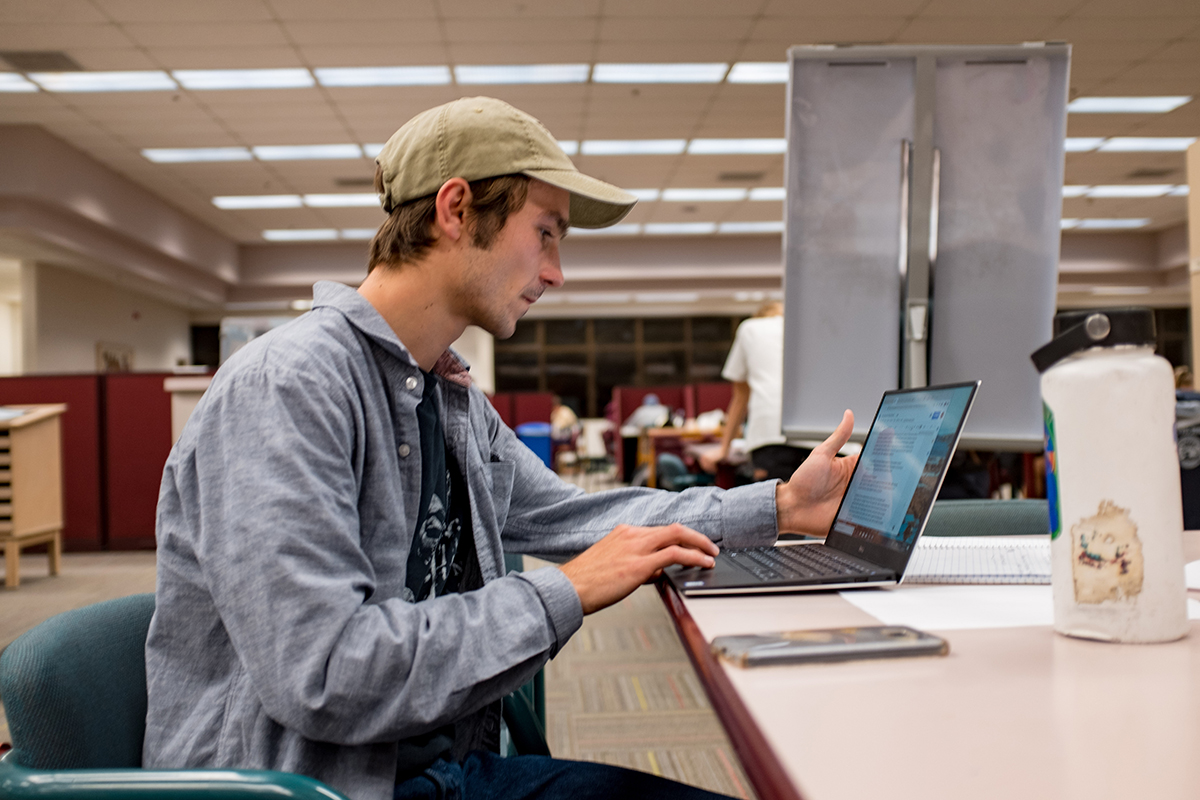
(737,365)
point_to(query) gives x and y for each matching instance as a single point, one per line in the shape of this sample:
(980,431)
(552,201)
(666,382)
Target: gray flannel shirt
(280,638)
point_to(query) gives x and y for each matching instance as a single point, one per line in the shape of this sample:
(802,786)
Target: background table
(1010,712)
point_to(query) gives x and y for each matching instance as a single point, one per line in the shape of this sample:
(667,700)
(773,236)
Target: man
(755,367)
(331,591)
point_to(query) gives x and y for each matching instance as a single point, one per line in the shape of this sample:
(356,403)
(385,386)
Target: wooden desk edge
(762,766)
(34,413)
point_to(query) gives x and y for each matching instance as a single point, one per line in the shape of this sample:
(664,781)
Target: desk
(1011,712)
(652,439)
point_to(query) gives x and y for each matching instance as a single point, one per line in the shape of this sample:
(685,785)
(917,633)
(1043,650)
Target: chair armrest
(20,783)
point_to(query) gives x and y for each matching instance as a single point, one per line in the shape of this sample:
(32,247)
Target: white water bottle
(1112,479)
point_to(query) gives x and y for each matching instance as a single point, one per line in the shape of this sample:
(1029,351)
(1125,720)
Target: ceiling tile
(364,32)
(46,36)
(461,30)
(680,9)
(219,57)
(290,10)
(843,8)
(675,29)
(523,9)
(512,52)
(53,11)
(113,58)
(786,31)
(384,55)
(1123,8)
(176,11)
(662,52)
(1008,9)
(1104,29)
(207,34)
(952,30)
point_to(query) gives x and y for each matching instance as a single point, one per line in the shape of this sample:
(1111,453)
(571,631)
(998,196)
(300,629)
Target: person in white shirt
(755,367)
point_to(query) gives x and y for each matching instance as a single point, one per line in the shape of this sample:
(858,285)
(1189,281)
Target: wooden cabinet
(31,496)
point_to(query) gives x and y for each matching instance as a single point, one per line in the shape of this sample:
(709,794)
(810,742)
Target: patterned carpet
(623,692)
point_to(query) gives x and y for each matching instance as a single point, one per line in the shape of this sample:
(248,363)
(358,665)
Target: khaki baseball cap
(481,137)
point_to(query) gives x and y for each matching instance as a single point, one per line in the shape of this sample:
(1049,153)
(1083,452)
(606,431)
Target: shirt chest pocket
(500,476)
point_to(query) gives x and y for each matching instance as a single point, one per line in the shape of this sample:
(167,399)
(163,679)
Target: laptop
(886,505)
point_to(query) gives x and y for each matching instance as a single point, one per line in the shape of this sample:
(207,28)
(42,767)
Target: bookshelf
(31,498)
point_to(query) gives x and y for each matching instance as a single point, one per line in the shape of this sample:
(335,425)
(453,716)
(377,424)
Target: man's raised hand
(810,498)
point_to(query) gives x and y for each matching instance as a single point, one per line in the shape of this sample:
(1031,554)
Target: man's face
(498,285)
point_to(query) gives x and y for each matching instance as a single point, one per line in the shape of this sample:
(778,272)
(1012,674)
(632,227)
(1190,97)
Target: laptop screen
(903,461)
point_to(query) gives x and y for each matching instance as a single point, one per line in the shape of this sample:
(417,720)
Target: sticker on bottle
(1107,556)
(1051,472)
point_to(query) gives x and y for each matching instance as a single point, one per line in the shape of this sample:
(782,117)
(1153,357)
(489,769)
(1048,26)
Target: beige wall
(73,312)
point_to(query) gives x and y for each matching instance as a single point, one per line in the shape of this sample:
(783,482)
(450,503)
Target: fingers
(837,440)
(675,554)
(677,534)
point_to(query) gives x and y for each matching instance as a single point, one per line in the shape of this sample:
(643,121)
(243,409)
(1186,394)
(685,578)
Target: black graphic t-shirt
(442,559)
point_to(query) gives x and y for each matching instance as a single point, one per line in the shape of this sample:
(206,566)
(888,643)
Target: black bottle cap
(1075,331)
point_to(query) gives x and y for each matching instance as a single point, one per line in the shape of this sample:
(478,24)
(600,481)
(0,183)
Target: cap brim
(594,203)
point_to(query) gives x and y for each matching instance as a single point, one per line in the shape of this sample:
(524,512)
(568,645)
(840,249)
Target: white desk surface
(1009,713)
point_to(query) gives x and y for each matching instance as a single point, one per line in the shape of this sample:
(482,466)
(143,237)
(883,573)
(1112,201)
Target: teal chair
(74,692)
(988,518)
(672,474)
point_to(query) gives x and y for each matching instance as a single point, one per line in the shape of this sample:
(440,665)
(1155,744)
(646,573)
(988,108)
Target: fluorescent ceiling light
(148,81)
(302,305)
(659,73)
(373,150)
(258,201)
(1111,224)
(184,155)
(206,79)
(300,235)
(666,297)
(1125,105)
(633,147)
(569,146)
(341,200)
(1075,191)
(1067,223)
(383,76)
(726,146)
(703,195)
(358,234)
(607,298)
(1179,191)
(680,228)
(759,72)
(775,226)
(644,195)
(14,82)
(1082,144)
(522,73)
(1147,144)
(1130,190)
(303,152)
(628,229)
(768,193)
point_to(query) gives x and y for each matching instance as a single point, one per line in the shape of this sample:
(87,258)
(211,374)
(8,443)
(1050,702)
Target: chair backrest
(74,687)
(988,518)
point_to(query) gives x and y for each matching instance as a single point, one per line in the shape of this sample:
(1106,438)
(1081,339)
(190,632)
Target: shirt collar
(362,315)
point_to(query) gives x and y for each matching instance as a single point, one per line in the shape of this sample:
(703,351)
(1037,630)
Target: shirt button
(411,383)
(403,450)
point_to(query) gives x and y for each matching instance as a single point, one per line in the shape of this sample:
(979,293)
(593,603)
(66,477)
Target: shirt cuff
(748,517)
(561,601)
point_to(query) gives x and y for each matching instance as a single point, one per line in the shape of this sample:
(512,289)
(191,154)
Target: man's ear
(453,200)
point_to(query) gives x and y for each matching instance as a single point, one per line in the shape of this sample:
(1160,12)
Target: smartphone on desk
(828,644)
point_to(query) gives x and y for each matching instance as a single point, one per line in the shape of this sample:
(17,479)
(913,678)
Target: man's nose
(551,274)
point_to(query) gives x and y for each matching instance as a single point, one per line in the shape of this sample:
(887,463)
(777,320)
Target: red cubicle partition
(137,424)
(83,526)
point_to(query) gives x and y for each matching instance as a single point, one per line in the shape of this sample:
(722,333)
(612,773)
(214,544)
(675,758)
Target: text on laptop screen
(901,465)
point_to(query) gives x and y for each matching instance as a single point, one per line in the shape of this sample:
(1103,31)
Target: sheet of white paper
(947,608)
(1192,573)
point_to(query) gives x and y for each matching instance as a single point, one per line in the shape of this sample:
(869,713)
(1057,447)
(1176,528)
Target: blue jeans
(487,776)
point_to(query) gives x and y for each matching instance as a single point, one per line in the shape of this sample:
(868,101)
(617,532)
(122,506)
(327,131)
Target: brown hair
(407,234)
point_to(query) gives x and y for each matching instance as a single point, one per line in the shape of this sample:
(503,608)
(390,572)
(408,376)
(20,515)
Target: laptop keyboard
(801,562)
